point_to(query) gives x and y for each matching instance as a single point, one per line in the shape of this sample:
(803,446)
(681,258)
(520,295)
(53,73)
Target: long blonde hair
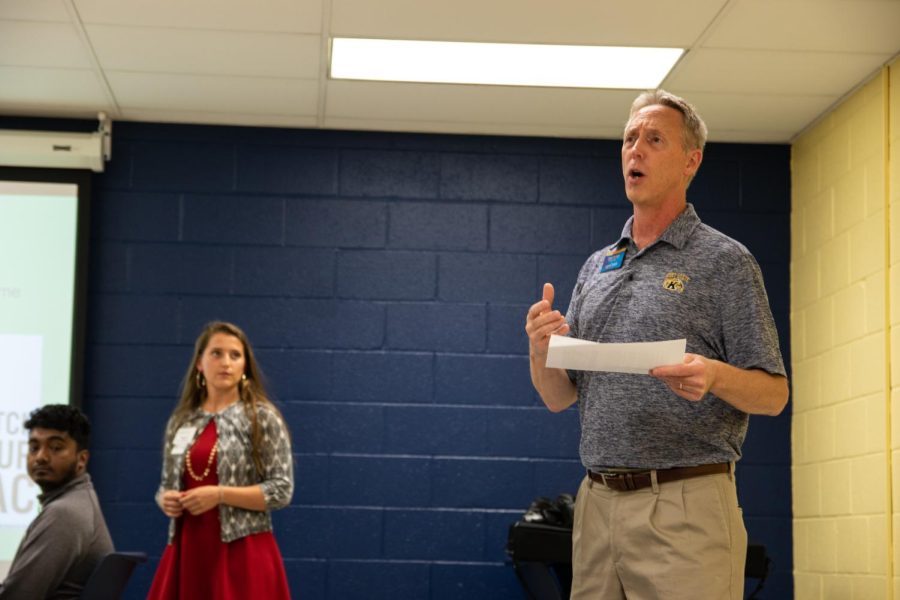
(252,391)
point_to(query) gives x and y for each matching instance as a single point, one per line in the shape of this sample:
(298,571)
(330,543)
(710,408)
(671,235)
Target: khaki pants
(681,539)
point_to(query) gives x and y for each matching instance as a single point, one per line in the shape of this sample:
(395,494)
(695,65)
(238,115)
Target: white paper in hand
(637,357)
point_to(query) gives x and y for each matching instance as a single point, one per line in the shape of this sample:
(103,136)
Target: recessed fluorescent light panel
(501,64)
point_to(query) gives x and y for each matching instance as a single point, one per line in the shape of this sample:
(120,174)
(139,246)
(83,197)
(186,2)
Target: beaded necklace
(190,468)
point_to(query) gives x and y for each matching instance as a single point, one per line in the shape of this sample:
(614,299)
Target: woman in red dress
(227,463)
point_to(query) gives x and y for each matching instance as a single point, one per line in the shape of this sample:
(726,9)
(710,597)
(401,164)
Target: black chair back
(109,579)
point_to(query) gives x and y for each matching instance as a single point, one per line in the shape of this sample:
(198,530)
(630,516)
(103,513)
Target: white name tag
(183,437)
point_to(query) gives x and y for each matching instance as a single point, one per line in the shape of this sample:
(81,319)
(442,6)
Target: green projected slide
(38,229)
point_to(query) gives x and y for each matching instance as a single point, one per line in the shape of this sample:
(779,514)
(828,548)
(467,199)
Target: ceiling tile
(752,112)
(770,72)
(674,24)
(149,115)
(760,70)
(298,16)
(41,44)
(753,136)
(42,90)
(34,10)
(464,128)
(151,49)
(256,95)
(827,25)
(478,104)
(549,112)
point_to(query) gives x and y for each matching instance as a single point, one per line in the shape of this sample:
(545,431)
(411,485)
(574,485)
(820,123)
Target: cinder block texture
(839,309)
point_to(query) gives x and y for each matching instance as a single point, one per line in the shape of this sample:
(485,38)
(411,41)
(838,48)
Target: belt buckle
(624,478)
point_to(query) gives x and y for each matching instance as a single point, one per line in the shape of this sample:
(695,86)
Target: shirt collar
(50,496)
(676,234)
(234,406)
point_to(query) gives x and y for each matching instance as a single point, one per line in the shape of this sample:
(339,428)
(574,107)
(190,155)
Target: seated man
(68,538)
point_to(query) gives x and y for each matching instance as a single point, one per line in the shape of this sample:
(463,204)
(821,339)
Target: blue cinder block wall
(383,279)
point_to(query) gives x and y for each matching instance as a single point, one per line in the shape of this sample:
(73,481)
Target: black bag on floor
(540,547)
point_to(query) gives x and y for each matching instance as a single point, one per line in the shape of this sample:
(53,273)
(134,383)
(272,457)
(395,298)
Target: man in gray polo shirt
(657,515)
(64,543)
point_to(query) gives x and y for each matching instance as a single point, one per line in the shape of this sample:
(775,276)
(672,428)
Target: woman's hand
(170,503)
(201,499)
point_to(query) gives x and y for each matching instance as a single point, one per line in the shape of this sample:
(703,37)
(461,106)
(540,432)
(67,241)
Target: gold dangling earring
(201,381)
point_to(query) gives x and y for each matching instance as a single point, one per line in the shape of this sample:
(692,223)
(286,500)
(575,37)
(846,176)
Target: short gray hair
(694,131)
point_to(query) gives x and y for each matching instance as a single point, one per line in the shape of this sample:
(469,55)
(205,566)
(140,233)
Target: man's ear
(694,158)
(81,461)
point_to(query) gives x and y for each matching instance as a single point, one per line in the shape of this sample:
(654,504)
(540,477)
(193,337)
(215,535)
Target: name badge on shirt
(183,437)
(613,260)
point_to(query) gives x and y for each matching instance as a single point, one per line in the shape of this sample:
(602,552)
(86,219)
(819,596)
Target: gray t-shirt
(62,546)
(693,282)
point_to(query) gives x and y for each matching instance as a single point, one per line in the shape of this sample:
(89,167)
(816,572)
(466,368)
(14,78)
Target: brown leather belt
(635,480)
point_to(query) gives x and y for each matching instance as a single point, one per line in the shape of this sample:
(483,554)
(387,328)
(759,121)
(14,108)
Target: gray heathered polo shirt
(696,283)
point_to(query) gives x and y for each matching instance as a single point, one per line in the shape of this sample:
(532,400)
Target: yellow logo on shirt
(675,282)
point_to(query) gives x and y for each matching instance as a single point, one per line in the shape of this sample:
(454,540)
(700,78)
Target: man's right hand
(541,322)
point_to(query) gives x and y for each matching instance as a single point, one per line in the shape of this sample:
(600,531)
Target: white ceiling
(758,70)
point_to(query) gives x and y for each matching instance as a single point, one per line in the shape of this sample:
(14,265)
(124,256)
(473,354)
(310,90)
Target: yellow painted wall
(841,308)
(893,193)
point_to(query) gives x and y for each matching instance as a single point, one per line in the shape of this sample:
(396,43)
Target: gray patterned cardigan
(235,465)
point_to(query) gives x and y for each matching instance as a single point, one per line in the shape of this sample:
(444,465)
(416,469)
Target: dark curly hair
(62,417)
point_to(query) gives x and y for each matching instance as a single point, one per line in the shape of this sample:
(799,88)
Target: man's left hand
(690,380)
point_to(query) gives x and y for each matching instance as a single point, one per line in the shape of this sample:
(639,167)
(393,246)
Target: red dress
(198,564)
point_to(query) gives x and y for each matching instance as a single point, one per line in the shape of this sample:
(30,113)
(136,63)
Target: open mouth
(635,174)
